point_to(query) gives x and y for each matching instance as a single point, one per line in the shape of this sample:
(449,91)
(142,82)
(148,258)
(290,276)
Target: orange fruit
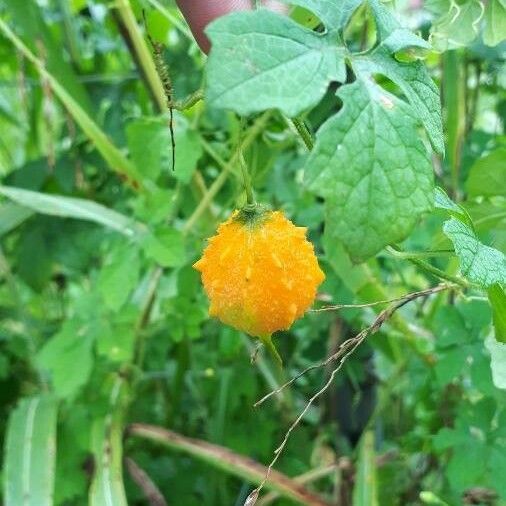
(259,272)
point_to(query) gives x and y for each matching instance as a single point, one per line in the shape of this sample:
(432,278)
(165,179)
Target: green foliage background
(104,334)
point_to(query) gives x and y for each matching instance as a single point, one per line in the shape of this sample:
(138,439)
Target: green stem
(252,133)
(250,199)
(428,267)
(454,100)
(418,254)
(269,345)
(303,131)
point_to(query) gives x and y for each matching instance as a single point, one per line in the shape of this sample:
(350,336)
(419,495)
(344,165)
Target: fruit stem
(250,198)
(269,345)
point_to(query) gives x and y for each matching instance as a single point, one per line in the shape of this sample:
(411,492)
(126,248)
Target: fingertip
(199,13)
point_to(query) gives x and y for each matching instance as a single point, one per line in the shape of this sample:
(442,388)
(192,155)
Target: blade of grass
(365,491)
(107,487)
(142,51)
(70,207)
(29,463)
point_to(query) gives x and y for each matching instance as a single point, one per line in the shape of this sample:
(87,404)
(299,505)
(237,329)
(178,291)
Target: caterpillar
(162,70)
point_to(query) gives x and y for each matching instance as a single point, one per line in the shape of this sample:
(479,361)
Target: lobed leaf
(416,84)
(412,78)
(495,22)
(372,168)
(390,32)
(442,201)
(458,27)
(482,264)
(334,15)
(263,60)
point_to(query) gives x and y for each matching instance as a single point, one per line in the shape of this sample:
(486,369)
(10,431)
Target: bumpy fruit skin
(259,272)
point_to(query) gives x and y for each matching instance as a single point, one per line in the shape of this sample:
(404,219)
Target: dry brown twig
(153,496)
(340,356)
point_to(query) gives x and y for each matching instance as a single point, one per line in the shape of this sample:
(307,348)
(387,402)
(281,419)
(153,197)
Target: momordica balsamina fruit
(259,272)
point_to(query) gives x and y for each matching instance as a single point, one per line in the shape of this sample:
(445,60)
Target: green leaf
(495,23)
(442,201)
(29,465)
(60,355)
(166,247)
(497,352)
(151,150)
(376,185)
(73,442)
(487,176)
(449,327)
(390,33)
(12,215)
(416,84)
(365,491)
(412,78)
(70,207)
(119,276)
(116,341)
(458,27)
(188,152)
(334,15)
(263,60)
(450,364)
(149,145)
(481,264)
(497,299)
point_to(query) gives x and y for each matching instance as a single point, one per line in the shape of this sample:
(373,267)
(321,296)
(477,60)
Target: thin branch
(227,460)
(423,254)
(336,307)
(341,355)
(374,327)
(153,496)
